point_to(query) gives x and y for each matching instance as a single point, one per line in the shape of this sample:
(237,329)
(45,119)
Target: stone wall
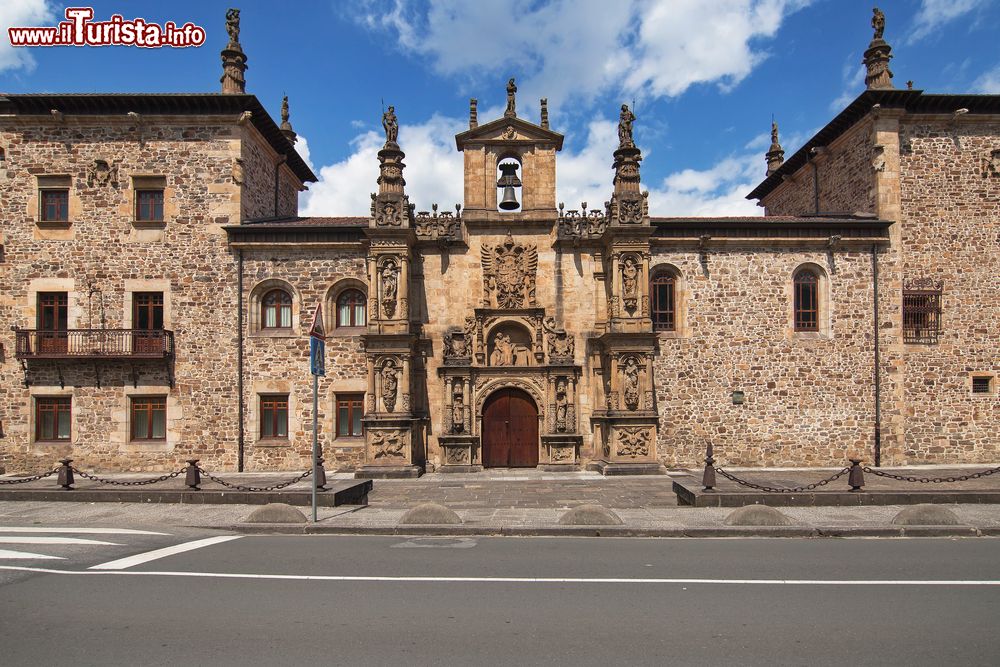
(258,162)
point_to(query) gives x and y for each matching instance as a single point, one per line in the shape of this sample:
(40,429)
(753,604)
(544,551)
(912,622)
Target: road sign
(317,330)
(317,356)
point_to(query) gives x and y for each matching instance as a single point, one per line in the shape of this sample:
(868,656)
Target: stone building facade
(157,285)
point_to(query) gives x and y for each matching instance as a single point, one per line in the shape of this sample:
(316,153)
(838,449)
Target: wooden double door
(510,430)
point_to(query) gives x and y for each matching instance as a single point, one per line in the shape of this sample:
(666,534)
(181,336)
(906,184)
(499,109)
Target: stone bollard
(856,477)
(65,479)
(320,475)
(193,476)
(708,477)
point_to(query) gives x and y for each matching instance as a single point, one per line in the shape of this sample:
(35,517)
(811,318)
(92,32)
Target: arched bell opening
(508,185)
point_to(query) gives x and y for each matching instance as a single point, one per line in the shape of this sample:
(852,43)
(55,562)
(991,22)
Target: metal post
(315,451)
(708,476)
(192,476)
(856,478)
(65,478)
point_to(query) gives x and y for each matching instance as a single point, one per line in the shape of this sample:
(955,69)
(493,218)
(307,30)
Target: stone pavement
(522,503)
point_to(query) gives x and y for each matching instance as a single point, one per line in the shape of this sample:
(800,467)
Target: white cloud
(21,13)
(434,174)
(988,83)
(578,49)
(935,13)
(852,76)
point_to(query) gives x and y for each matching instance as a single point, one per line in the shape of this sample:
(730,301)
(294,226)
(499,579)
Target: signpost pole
(315,450)
(317,366)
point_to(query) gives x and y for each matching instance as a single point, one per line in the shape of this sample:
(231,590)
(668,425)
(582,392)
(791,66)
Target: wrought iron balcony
(94,344)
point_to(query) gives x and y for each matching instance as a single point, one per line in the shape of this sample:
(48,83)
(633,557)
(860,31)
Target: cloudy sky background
(705,76)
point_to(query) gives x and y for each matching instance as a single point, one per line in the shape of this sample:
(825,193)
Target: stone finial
(878,75)
(625,120)
(234,61)
(545,112)
(286,126)
(511,111)
(391,127)
(628,205)
(775,155)
(473,114)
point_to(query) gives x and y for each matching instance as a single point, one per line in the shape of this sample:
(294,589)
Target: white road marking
(522,580)
(7,554)
(139,559)
(52,540)
(81,531)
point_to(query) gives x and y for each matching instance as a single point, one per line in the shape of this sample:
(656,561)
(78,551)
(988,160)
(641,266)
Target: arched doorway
(510,430)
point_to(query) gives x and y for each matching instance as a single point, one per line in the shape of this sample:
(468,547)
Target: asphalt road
(527,601)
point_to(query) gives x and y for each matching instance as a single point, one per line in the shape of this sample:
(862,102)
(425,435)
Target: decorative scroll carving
(574,224)
(509,274)
(633,442)
(923,284)
(630,282)
(561,344)
(456,455)
(390,384)
(630,382)
(445,226)
(388,444)
(389,280)
(389,212)
(562,406)
(102,174)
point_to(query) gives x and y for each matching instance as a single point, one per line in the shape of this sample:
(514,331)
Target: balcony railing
(94,344)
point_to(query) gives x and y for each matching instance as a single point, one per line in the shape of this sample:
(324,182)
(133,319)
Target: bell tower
(510,166)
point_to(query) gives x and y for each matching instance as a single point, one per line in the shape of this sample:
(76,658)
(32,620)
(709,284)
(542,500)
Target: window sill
(274,333)
(273,442)
(149,445)
(53,442)
(54,224)
(149,224)
(349,441)
(347,332)
(810,335)
(670,334)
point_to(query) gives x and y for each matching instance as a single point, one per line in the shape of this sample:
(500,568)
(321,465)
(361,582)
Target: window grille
(922,312)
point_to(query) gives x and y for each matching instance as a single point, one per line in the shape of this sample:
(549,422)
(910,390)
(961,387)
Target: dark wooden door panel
(510,430)
(496,444)
(523,432)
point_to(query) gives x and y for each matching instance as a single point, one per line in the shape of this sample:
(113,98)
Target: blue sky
(706,77)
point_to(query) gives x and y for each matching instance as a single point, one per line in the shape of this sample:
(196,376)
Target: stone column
(404,287)
(448,402)
(372,396)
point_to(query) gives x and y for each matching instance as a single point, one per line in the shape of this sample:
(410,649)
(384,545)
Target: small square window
(149,418)
(274,416)
(54,205)
(149,205)
(982,384)
(53,417)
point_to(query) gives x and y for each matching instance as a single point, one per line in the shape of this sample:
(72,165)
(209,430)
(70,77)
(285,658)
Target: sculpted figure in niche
(630,383)
(458,411)
(390,385)
(625,120)
(562,403)
(391,125)
(389,288)
(630,283)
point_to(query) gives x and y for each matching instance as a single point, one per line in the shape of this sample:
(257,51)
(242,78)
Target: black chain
(239,487)
(778,489)
(22,480)
(141,482)
(932,480)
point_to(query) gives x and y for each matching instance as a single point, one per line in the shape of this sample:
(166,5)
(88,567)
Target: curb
(449,530)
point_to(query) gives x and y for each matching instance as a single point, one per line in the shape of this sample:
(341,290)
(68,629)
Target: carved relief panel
(509,274)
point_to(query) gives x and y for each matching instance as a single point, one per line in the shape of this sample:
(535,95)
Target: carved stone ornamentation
(457,455)
(560,454)
(436,226)
(625,120)
(511,110)
(509,133)
(237,172)
(458,410)
(391,126)
(630,382)
(456,345)
(102,174)
(509,274)
(506,352)
(561,344)
(389,282)
(630,209)
(991,166)
(576,225)
(630,282)
(390,384)
(562,406)
(633,442)
(388,444)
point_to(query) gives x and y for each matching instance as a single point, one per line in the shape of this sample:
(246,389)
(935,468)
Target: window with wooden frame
(922,311)
(148,418)
(53,418)
(276,310)
(147,321)
(149,205)
(351,306)
(274,416)
(350,409)
(663,294)
(806,300)
(53,322)
(53,198)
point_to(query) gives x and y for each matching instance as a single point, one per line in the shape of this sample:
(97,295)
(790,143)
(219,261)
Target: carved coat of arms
(509,273)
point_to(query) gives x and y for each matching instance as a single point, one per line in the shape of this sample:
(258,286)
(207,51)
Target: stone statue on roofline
(625,120)
(878,23)
(391,125)
(511,111)
(233,25)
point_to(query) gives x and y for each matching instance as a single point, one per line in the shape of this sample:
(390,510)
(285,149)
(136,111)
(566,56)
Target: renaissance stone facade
(160,286)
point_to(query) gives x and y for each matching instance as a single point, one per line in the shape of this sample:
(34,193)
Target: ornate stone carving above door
(509,273)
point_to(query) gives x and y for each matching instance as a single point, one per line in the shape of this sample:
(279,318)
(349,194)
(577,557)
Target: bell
(509,201)
(508,181)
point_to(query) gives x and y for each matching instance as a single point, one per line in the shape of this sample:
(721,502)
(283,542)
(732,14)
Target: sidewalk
(524,503)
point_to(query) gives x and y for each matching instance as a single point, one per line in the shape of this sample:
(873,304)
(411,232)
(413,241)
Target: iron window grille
(922,312)
(664,308)
(982,384)
(806,301)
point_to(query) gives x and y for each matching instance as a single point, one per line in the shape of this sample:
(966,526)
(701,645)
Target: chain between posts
(239,487)
(778,489)
(35,478)
(141,482)
(932,480)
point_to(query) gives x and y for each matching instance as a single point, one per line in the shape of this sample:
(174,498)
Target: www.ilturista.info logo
(80,30)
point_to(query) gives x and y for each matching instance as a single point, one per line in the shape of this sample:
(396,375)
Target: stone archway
(510,430)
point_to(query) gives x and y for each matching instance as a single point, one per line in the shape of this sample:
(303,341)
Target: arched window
(663,298)
(806,301)
(276,310)
(351,309)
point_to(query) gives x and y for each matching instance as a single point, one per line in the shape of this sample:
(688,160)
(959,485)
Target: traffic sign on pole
(317,366)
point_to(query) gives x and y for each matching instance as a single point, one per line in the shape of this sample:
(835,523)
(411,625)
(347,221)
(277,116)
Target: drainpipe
(239,358)
(878,388)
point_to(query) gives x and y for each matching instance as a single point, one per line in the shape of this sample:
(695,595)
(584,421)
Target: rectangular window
(274,416)
(921,316)
(149,205)
(55,205)
(52,419)
(349,413)
(982,384)
(53,322)
(149,418)
(147,321)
